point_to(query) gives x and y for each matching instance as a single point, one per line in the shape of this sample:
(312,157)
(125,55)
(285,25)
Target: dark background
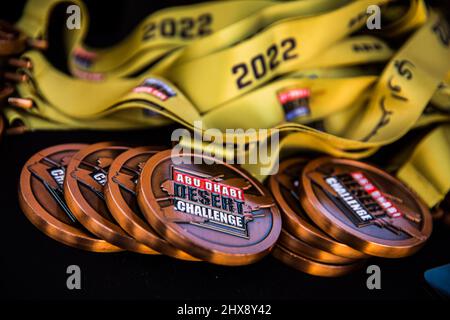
(33,266)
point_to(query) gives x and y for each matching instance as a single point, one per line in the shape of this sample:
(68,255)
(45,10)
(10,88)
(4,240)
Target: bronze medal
(306,265)
(41,199)
(215,212)
(297,246)
(284,187)
(364,207)
(83,190)
(120,195)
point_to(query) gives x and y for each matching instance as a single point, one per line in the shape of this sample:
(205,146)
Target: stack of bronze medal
(108,197)
(338,212)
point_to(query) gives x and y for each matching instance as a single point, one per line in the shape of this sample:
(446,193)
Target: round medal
(210,209)
(284,187)
(364,207)
(83,191)
(120,195)
(41,199)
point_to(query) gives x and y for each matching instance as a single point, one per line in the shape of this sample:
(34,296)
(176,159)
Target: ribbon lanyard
(427,171)
(278,65)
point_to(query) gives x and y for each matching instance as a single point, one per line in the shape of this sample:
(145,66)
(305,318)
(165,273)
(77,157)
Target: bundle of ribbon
(310,69)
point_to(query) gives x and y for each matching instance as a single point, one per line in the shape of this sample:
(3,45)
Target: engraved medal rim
(45,221)
(88,216)
(125,216)
(358,240)
(293,221)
